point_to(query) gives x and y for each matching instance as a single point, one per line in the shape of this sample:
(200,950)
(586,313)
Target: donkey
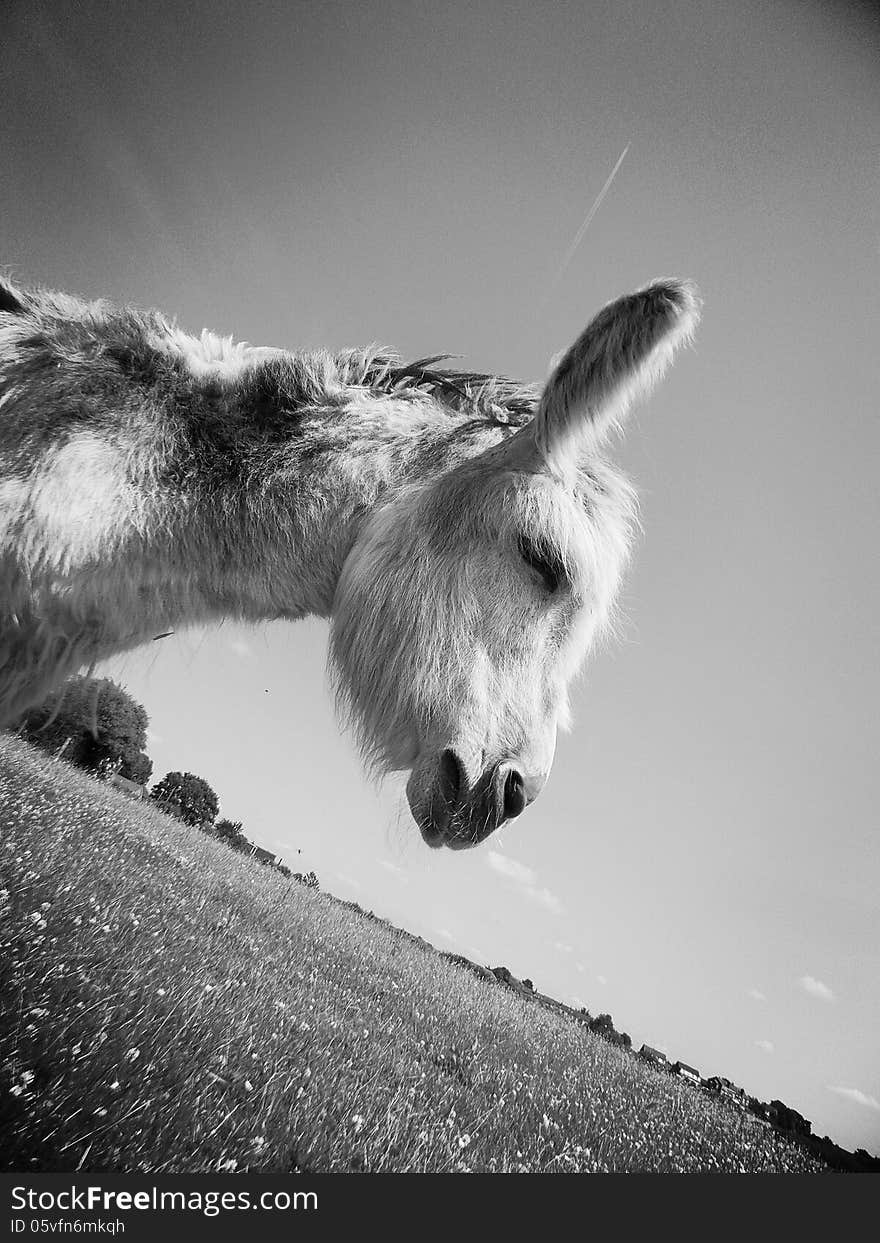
(462,532)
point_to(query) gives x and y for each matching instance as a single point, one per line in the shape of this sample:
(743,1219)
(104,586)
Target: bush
(231,832)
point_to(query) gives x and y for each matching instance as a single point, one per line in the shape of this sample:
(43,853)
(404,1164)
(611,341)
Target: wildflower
(357,1121)
(132,1055)
(464,1140)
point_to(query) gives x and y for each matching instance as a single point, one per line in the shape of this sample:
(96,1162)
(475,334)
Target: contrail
(579,236)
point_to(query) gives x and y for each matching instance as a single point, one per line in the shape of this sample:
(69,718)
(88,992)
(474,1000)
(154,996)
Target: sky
(704,862)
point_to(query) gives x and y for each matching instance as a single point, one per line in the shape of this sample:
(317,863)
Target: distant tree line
(96,725)
(781,1117)
(191,799)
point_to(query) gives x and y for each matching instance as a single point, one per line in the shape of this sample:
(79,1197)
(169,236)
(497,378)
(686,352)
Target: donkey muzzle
(460,815)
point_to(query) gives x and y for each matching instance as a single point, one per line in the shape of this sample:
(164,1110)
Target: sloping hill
(168,1005)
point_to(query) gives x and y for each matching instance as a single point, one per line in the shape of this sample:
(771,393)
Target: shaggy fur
(461,531)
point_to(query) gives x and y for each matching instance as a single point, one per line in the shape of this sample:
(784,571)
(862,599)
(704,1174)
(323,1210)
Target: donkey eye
(542,562)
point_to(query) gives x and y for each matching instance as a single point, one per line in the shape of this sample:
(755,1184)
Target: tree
(95,724)
(187,796)
(788,1119)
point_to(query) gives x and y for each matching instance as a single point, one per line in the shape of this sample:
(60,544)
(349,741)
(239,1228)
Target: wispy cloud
(510,868)
(153,738)
(816,988)
(396,871)
(348,880)
(543,897)
(756,994)
(579,966)
(766,1046)
(856,1096)
(445,934)
(601,979)
(239,646)
(525,880)
(563,948)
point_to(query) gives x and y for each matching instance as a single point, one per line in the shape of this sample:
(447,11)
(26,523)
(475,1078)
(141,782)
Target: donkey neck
(277,511)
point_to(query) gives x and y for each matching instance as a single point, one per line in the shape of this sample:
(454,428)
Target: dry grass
(170,1006)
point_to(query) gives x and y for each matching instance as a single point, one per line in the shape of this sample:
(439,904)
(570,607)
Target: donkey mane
(495,398)
(142,344)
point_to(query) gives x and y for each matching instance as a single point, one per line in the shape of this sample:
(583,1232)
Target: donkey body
(463,533)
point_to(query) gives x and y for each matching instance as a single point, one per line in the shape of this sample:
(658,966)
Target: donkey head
(470,599)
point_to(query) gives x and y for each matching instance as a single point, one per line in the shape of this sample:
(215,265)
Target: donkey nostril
(514,795)
(450,778)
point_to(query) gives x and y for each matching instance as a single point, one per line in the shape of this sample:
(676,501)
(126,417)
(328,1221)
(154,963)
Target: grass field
(170,1006)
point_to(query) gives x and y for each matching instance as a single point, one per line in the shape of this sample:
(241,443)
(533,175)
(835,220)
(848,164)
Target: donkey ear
(619,356)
